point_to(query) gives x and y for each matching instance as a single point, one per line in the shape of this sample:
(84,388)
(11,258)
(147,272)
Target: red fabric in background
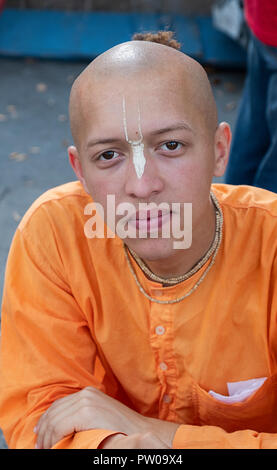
(261,16)
(2,3)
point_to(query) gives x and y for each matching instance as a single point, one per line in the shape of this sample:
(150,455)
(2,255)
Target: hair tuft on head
(162,37)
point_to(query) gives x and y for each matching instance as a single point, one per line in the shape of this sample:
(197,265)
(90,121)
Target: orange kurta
(73,316)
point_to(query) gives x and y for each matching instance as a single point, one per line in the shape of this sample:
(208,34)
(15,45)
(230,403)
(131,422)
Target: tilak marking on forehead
(136,145)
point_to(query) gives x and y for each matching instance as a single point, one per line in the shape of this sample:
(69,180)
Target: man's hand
(135,441)
(92,409)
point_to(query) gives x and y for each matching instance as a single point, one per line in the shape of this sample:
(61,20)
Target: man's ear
(223,136)
(75,162)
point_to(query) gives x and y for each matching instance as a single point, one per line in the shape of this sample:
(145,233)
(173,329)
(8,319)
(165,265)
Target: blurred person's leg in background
(251,139)
(266,174)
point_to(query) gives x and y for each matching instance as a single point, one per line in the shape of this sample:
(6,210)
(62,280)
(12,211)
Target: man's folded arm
(190,437)
(47,351)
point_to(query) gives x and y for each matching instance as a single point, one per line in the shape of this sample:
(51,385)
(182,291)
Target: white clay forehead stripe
(136,145)
(132,142)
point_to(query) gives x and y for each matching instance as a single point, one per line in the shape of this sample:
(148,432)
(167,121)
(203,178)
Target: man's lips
(148,215)
(149,220)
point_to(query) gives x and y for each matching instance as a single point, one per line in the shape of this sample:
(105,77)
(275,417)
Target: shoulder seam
(252,206)
(23,223)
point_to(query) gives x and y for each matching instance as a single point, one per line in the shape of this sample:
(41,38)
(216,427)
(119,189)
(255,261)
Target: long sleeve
(213,437)
(47,350)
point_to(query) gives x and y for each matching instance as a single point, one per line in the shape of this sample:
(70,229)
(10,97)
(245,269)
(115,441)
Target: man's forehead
(157,105)
(148,89)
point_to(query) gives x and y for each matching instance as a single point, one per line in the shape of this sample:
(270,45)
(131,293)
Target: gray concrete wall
(180,6)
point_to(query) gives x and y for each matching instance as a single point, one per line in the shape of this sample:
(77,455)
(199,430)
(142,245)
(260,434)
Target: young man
(137,341)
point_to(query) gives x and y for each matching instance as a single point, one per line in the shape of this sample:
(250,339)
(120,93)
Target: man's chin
(150,249)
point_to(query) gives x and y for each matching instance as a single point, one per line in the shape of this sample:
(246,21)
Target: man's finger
(48,426)
(58,411)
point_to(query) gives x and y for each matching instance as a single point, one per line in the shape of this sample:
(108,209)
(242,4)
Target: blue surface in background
(77,35)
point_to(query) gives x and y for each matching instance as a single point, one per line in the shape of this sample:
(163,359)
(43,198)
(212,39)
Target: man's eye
(109,155)
(171,145)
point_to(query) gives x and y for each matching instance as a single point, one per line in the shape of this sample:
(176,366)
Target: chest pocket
(258,412)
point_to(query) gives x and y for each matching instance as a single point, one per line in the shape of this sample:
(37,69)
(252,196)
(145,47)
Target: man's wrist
(165,430)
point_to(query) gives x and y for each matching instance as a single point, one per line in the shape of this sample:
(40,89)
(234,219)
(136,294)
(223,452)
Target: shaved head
(136,63)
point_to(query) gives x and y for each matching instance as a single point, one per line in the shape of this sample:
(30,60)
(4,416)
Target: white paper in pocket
(239,391)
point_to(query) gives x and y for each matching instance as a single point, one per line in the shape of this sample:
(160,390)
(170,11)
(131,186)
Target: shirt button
(160,330)
(163,366)
(167,398)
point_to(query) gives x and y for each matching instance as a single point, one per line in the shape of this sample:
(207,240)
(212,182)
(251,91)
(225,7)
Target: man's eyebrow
(111,140)
(174,127)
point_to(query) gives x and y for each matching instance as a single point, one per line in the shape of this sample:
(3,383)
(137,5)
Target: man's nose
(148,184)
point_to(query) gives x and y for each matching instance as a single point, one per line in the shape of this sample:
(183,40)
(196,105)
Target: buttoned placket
(161,334)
